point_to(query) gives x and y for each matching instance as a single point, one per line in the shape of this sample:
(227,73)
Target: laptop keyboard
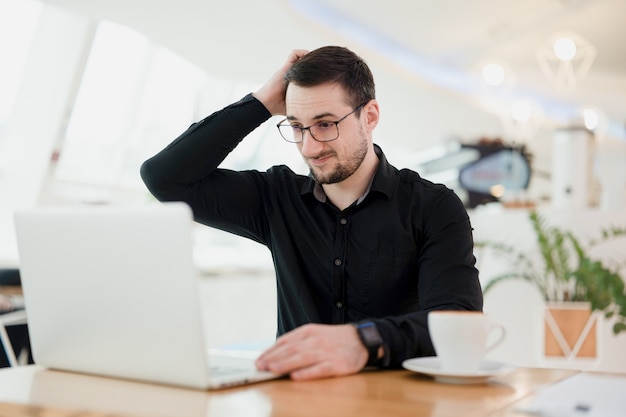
(222,370)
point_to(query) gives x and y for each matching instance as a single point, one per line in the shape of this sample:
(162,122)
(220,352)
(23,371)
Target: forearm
(404,337)
(196,153)
(448,280)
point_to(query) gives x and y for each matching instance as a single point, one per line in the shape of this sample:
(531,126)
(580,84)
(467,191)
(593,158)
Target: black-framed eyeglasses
(321,132)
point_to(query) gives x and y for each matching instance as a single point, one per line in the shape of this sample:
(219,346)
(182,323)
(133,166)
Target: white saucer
(430,366)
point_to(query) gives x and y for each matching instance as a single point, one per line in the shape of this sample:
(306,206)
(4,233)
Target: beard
(342,171)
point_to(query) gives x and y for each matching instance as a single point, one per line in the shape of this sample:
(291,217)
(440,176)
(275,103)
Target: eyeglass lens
(322,132)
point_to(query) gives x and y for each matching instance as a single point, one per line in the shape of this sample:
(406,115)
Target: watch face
(370,333)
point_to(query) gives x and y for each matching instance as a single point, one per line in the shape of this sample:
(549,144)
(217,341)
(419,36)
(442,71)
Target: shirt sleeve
(447,280)
(187,170)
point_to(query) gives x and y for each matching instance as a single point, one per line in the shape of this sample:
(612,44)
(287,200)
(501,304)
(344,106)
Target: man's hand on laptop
(315,351)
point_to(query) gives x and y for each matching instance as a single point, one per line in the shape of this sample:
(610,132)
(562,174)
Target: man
(362,251)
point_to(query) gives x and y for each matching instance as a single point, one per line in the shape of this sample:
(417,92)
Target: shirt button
(343,221)
(339,304)
(338,262)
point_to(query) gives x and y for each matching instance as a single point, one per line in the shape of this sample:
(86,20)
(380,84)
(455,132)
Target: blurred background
(511,104)
(92,88)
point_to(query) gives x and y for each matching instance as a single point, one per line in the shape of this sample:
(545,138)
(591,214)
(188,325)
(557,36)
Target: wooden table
(10,290)
(34,391)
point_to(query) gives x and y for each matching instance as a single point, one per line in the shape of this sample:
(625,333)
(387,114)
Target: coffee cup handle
(500,338)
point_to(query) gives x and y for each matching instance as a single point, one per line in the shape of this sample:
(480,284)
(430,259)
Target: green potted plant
(564,271)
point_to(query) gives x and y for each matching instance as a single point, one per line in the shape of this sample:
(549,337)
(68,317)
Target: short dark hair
(335,64)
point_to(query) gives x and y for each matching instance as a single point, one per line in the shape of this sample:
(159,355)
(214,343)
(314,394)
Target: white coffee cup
(460,339)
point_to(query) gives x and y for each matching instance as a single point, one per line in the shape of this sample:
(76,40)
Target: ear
(371,114)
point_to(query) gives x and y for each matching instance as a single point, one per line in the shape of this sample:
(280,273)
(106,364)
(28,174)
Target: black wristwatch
(371,339)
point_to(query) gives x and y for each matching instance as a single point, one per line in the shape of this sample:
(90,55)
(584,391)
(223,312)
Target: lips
(321,159)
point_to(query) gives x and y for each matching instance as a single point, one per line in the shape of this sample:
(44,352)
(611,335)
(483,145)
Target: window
(18,22)
(132,99)
(135,98)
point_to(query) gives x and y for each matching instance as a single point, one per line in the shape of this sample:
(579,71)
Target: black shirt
(403,250)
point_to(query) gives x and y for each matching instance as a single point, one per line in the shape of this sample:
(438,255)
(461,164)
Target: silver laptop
(113,291)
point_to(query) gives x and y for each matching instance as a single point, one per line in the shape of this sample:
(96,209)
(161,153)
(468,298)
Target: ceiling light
(493,74)
(591,118)
(564,49)
(521,120)
(566,58)
(594,119)
(491,78)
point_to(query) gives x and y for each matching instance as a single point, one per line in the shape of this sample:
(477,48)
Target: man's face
(329,162)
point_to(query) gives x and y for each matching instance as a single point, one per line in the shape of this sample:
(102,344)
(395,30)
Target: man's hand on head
(272,94)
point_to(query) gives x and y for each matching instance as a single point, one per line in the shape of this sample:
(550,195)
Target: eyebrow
(318,117)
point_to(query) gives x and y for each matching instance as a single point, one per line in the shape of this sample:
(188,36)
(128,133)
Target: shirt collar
(383,181)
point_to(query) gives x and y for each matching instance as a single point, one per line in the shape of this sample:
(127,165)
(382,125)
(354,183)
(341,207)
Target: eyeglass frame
(303,129)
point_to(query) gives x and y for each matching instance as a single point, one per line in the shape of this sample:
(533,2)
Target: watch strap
(371,339)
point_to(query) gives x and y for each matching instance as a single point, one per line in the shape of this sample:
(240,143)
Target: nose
(309,146)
